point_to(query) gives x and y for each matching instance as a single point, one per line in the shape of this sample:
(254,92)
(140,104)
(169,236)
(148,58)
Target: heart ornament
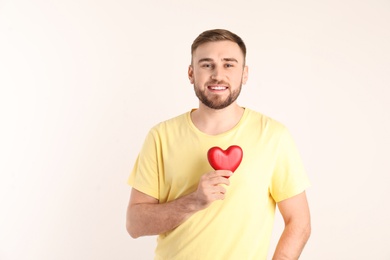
(228,159)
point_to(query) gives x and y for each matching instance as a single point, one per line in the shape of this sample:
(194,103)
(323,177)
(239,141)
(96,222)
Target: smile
(217,87)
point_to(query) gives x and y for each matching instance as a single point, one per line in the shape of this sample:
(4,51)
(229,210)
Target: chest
(183,165)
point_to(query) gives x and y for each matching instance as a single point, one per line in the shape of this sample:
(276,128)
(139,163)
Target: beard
(216,101)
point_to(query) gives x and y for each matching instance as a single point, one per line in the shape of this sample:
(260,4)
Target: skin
(217,64)
(217,73)
(296,216)
(146,216)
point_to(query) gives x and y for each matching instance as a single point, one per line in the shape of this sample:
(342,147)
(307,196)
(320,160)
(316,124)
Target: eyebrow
(223,59)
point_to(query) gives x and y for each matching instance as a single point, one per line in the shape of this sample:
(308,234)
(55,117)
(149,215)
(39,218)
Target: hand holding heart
(225,163)
(210,188)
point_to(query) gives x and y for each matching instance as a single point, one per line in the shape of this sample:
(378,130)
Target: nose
(216,74)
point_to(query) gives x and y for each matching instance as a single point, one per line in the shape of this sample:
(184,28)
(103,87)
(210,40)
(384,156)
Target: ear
(191,74)
(245,75)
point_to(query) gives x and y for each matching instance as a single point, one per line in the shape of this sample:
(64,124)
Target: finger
(224,173)
(218,190)
(217,180)
(219,196)
(217,173)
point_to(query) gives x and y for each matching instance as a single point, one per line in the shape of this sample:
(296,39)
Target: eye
(206,65)
(229,65)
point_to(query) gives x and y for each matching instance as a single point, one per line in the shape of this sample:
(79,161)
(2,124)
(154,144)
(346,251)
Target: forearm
(153,218)
(292,242)
(146,216)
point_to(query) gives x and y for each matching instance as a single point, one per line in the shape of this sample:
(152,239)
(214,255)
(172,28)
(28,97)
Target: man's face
(217,73)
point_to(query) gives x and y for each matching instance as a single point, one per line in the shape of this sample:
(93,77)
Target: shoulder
(170,126)
(266,123)
(172,122)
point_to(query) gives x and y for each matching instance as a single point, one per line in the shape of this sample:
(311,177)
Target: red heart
(229,159)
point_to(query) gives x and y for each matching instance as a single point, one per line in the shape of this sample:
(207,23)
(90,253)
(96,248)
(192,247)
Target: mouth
(217,87)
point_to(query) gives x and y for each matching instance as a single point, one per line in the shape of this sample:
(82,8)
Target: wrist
(190,203)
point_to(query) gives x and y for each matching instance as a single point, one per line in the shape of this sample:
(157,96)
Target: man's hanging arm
(296,216)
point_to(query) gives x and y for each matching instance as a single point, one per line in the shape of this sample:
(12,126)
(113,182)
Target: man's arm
(296,215)
(146,216)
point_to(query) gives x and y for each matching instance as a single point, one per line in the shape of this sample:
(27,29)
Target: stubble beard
(216,101)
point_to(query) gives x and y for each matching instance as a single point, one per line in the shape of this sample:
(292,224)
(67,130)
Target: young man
(201,213)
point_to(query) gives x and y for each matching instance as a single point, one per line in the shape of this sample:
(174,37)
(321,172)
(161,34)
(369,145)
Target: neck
(216,121)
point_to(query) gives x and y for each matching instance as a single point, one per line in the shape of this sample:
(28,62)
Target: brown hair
(218,35)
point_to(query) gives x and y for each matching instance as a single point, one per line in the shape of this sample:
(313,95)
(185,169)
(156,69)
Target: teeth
(218,88)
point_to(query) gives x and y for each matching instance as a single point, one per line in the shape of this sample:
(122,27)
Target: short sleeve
(145,174)
(289,177)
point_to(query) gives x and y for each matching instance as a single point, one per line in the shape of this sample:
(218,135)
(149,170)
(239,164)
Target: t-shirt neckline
(196,130)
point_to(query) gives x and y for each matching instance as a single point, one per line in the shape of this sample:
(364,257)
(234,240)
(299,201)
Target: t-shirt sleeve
(289,176)
(145,174)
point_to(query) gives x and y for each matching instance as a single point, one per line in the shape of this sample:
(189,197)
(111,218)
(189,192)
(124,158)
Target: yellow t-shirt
(173,158)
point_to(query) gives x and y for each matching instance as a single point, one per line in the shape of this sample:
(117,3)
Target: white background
(83,81)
